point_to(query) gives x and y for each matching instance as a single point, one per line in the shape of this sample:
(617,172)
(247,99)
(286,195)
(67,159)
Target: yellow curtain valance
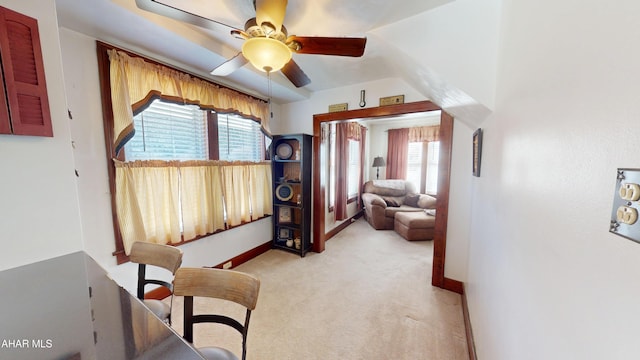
(424,133)
(134,81)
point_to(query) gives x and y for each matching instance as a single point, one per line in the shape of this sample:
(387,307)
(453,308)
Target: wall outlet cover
(624,214)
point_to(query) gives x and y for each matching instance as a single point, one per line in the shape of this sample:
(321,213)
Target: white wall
(82,83)
(40,215)
(450,55)
(546,279)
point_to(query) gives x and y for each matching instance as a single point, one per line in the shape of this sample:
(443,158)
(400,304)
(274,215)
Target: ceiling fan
(267,45)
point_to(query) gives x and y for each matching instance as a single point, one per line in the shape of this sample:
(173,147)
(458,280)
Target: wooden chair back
(164,256)
(230,285)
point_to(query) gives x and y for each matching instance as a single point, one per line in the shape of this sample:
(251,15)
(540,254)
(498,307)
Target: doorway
(320,236)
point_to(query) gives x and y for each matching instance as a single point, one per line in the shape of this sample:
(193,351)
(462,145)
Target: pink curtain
(397,153)
(342,170)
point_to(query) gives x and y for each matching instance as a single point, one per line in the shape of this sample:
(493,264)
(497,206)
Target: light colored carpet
(367,296)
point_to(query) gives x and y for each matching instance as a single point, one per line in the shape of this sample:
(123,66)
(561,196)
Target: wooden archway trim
(446,139)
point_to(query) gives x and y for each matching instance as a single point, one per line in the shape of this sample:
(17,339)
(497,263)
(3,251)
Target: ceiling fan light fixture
(266,54)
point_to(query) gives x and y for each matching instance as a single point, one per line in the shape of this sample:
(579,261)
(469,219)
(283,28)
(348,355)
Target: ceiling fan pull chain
(362,102)
(269,90)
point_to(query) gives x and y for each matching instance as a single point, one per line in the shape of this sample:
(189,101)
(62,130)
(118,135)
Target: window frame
(107,113)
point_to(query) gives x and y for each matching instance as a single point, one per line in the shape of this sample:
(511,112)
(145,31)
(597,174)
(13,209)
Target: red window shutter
(24,78)
(4,109)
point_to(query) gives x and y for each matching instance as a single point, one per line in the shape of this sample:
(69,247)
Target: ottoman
(415,225)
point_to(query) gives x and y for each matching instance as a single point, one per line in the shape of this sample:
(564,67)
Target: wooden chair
(228,285)
(163,256)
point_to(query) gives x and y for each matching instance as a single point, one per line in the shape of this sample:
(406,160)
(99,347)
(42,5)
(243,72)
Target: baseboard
(453,285)
(162,292)
(248,255)
(471,345)
(343,225)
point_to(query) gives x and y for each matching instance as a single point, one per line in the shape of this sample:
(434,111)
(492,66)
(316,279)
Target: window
(354,169)
(173,192)
(179,199)
(332,166)
(239,138)
(422,166)
(414,164)
(433,154)
(169,131)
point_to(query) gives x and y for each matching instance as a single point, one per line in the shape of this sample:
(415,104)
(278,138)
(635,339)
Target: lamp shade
(378,161)
(266,54)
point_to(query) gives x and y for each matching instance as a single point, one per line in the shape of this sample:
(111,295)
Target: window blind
(432,167)
(239,138)
(167,131)
(354,168)
(414,164)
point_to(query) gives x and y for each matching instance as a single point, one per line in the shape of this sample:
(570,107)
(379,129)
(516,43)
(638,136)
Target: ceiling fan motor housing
(267,29)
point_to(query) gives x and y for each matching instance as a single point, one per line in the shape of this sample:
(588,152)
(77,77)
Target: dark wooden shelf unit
(292,217)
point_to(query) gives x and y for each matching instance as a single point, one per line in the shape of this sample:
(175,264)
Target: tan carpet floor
(367,296)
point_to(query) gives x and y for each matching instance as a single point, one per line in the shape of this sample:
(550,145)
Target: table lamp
(378,161)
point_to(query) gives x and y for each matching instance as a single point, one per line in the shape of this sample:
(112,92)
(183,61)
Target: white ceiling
(199,50)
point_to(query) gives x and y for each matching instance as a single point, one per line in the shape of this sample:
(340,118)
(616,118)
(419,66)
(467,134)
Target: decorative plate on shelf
(284,192)
(284,151)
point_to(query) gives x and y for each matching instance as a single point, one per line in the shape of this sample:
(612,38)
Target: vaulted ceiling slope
(446,49)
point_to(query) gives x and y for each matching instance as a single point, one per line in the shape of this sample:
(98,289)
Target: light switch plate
(624,220)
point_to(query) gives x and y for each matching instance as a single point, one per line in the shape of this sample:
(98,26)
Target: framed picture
(284,215)
(284,233)
(477,151)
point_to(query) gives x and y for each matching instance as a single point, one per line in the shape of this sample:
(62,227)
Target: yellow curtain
(154,197)
(202,203)
(424,133)
(235,180)
(147,201)
(260,190)
(133,81)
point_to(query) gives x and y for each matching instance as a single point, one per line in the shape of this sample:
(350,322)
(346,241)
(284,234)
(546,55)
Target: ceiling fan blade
(160,8)
(230,65)
(339,46)
(293,72)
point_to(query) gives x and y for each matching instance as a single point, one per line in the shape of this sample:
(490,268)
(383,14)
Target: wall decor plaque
(392,100)
(339,107)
